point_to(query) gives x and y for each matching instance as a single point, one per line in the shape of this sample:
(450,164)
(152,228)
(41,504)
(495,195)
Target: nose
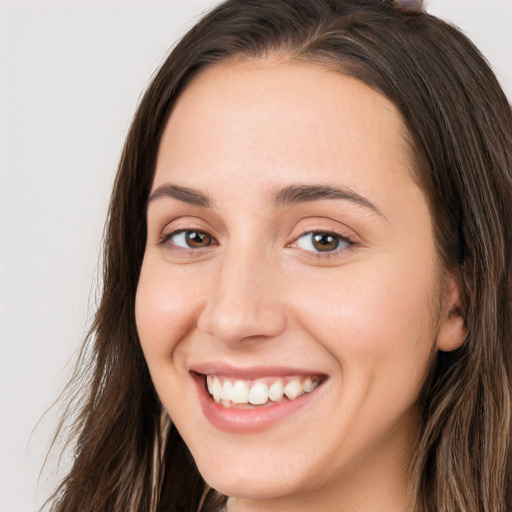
(243,304)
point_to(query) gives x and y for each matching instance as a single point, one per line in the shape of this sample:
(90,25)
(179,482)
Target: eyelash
(350,243)
(165,241)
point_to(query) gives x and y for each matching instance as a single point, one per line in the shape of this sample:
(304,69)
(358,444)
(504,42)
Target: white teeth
(216,389)
(308,385)
(258,394)
(209,383)
(293,389)
(227,391)
(311,387)
(275,391)
(240,392)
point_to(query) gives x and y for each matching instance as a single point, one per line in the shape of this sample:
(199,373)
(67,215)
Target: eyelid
(185,222)
(165,239)
(349,240)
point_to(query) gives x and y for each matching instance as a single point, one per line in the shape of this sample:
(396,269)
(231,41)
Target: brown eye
(324,242)
(197,239)
(189,239)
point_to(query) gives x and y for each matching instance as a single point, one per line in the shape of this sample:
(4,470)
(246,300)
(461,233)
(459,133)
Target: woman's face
(290,254)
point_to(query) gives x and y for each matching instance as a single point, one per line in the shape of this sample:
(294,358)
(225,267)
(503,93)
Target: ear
(452,324)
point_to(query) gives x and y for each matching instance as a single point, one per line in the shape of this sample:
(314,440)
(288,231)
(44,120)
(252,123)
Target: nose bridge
(243,302)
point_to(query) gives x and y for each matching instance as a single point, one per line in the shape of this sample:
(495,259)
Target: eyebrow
(287,196)
(302,193)
(184,194)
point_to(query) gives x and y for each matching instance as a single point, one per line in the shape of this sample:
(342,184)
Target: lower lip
(233,419)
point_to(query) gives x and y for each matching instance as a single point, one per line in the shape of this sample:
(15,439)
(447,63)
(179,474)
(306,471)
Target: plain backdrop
(72,73)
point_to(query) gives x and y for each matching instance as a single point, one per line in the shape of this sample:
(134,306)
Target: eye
(189,239)
(321,241)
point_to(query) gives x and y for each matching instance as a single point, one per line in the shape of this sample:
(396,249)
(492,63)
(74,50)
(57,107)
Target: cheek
(165,308)
(373,318)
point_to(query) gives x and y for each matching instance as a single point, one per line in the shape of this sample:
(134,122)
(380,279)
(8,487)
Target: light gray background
(71,76)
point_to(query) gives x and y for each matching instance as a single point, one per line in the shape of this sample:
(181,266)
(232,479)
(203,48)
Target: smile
(261,392)
(252,400)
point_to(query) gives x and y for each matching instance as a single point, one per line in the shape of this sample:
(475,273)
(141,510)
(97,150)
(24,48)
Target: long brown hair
(128,455)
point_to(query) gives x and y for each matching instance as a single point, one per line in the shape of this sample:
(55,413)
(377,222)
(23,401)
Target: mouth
(261,392)
(236,404)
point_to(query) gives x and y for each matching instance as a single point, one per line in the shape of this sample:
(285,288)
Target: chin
(248,485)
(256,474)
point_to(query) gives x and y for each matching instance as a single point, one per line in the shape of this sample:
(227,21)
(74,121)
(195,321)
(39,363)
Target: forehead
(295,97)
(265,123)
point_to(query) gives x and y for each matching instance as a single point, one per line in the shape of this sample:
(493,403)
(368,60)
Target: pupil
(324,242)
(195,239)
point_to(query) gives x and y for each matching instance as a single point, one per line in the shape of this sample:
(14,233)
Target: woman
(306,299)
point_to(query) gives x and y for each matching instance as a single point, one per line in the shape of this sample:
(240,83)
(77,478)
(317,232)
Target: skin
(368,315)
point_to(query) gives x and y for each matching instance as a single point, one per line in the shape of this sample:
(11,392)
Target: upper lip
(250,372)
